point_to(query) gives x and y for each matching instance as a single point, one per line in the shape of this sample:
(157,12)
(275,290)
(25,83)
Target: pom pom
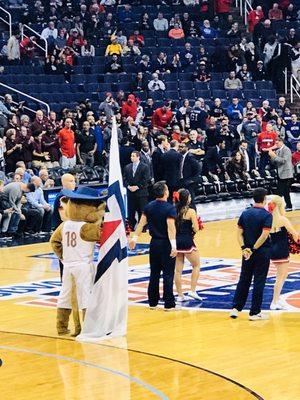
(200,223)
(271,206)
(175,197)
(294,247)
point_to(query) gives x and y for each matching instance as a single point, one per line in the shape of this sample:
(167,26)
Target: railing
(294,88)
(7,22)
(26,27)
(245,7)
(16,104)
(27,96)
(286,77)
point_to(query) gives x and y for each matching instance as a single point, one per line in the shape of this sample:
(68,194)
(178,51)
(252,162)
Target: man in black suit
(214,158)
(157,157)
(171,168)
(136,179)
(189,171)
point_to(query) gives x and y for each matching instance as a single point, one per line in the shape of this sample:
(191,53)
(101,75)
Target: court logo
(216,286)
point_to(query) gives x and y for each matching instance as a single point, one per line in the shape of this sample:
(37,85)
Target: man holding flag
(106,314)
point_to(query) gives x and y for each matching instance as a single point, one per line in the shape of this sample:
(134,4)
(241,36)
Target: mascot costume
(73,243)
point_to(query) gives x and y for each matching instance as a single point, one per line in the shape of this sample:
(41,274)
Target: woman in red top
(254,17)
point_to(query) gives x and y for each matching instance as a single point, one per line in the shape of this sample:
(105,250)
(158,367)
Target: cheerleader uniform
(280,246)
(184,237)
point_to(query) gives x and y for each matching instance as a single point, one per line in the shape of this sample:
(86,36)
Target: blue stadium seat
(267,94)
(156,95)
(201,86)
(235,93)
(204,93)
(185,85)
(171,85)
(267,85)
(172,94)
(216,85)
(248,85)
(250,94)
(187,94)
(126,86)
(219,93)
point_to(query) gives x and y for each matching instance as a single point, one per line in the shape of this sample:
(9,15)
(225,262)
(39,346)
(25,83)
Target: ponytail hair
(181,200)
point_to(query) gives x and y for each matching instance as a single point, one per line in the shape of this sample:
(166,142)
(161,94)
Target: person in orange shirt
(176,32)
(67,145)
(266,141)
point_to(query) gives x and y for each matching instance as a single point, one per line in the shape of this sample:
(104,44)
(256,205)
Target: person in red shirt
(129,107)
(66,139)
(296,155)
(254,17)
(162,117)
(265,142)
(223,8)
(137,38)
(27,47)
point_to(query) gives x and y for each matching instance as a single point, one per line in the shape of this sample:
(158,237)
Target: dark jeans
(32,222)
(283,189)
(160,261)
(256,267)
(263,162)
(10,223)
(135,205)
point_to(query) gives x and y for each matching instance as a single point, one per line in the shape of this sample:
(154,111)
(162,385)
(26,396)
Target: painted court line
(139,382)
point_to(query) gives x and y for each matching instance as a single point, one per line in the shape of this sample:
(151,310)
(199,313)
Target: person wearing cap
(202,74)
(160,217)
(73,242)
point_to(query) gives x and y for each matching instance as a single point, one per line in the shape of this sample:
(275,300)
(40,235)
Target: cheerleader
(280,253)
(186,227)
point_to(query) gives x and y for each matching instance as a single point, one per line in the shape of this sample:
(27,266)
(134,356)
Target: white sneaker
(153,307)
(258,317)
(280,305)
(234,313)
(182,298)
(194,295)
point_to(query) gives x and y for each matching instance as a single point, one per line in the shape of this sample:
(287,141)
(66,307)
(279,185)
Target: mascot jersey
(75,250)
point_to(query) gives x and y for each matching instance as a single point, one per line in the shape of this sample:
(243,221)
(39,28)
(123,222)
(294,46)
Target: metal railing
(247,8)
(294,88)
(286,77)
(27,96)
(15,103)
(7,22)
(27,28)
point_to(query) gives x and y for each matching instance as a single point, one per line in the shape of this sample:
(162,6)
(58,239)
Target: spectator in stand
(86,145)
(189,170)
(188,57)
(67,145)
(162,117)
(254,17)
(260,73)
(139,83)
(295,60)
(234,32)
(50,34)
(236,167)
(217,111)
(121,39)
(250,129)
(39,157)
(176,32)
(64,67)
(36,200)
(137,38)
(202,74)
(292,37)
(114,65)
(296,155)
(129,107)
(235,111)
(13,49)
(223,9)
(250,56)
(265,142)
(47,183)
(61,40)
(290,14)
(262,31)
(40,123)
(109,106)
(87,49)
(160,23)
(160,65)
(244,75)
(243,149)
(214,159)
(206,31)
(27,48)
(145,24)
(125,15)
(113,48)
(293,132)
(51,65)
(162,145)
(156,84)
(275,14)
(232,82)
(172,168)
(198,117)
(144,65)
(13,150)
(196,146)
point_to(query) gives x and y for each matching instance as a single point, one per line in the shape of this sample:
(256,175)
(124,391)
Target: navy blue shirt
(157,213)
(253,221)
(56,220)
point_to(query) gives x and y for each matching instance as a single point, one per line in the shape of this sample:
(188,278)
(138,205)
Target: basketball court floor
(197,352)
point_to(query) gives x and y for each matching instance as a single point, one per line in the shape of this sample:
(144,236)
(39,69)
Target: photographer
(109,107)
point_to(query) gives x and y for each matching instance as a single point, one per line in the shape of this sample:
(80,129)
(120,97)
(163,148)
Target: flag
(106,314)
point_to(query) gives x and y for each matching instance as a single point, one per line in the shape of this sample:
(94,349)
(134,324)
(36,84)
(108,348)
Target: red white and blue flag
(106,314)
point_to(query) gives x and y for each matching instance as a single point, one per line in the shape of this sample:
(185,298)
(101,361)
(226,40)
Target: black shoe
(16,235)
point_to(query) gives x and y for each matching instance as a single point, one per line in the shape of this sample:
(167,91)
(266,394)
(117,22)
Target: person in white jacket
(13,49)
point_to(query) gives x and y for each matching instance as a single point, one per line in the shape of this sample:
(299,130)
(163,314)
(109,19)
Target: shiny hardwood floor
(184,354)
